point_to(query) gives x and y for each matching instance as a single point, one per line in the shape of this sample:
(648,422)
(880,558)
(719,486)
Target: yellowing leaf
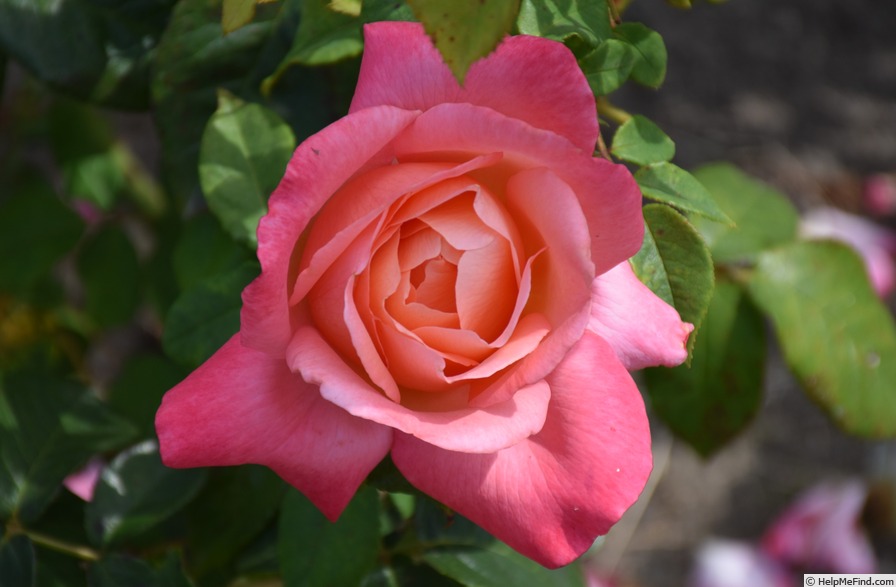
(465,31)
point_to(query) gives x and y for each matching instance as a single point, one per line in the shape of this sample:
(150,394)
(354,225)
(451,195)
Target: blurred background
(803,96)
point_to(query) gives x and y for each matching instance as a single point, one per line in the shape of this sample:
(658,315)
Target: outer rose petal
(644,330)
(470,430)
(550,495)
(241,406)
(318,167)
(529,78)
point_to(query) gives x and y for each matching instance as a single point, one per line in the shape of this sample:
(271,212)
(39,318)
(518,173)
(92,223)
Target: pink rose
(444,277)
(820,531)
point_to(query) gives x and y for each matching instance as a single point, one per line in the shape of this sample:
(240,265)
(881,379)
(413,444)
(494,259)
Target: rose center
(433,285)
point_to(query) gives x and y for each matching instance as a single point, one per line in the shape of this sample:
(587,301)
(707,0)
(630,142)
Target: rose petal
(318,167)
(547,205)
(467,430)
(644,330)
(529,78)
(607,193)
(550,495)
(241,406)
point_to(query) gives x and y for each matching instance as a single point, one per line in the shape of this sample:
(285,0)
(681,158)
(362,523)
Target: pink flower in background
(445,278)
(874,243)
(731,563)
(820,531)
(880,194)
(83,482)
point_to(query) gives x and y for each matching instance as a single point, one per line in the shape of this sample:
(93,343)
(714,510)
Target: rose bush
(444,278)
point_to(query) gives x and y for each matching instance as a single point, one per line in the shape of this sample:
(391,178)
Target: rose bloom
(445,279)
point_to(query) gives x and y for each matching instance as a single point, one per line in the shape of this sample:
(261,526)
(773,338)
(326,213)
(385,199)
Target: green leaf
(675,264)
(48,428)
(205,317)
(582,25)
(499,566)
(138,390)
(763,217)
(837,336)
(17,564)
(98,51)
(650,65)
(640,141)
(316,552)
(204,250)
(464,32)
(713,399)
(194,59)
(110,272)
(668,183)
(136,493)
(245,149)
(608,66)
(38,227)
(236,14)
(251,495)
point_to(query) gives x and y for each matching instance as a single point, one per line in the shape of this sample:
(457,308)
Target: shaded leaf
(608,66)
(837,336)
(205,317)
(326,35)
(245,149)
(48,428)
(713,399)
(499,566)
(138,390)
(763,217)
(204,250)
(82,144)
(650,65)
(38,227)
(668,183)
(675,264)
(119,570)
(110,272)
(136,493)
(316,552)
(465,31)
(99,51)
(17,564)
(251,495)
(194,59)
